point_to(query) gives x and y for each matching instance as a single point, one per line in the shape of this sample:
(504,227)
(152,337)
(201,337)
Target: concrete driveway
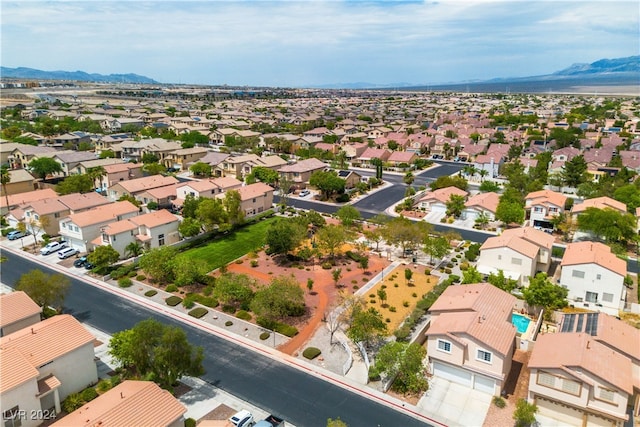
(454,404)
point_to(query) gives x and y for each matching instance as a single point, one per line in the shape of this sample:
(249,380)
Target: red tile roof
(16,306)
(16,369)
(593,253)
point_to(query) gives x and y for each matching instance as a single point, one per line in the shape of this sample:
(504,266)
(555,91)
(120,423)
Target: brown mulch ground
(180,390)
(221,412)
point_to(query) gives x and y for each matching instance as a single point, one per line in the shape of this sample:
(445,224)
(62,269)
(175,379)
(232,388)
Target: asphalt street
(301,398)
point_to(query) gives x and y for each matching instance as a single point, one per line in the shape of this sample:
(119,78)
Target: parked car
(88,265)
(304,193)
(243,418)
(80,262)
(13,235)
(53,247)
(270,421)
(66,253)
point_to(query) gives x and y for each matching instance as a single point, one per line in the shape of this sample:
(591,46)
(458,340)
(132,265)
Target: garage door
(564,414)
(452,373)
(438,208)
(596,421)
(485,384)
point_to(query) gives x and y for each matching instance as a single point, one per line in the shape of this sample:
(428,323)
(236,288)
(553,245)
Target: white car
(243,418)
(66,253)
(52,247)
(304,193)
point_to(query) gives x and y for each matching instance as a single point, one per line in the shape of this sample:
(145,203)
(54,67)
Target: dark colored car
(80,261)
(88,265)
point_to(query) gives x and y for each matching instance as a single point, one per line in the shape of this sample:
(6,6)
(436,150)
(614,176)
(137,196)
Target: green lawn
(225,249)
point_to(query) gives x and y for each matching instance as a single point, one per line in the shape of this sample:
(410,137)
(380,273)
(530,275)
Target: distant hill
(30,73)
(604,72)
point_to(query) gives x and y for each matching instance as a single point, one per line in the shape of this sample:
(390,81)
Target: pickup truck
(270,421)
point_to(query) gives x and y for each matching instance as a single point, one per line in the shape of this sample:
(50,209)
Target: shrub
(454,278)
(472,253)
(447,271)
(264,335)
(254,263)
(392,309)
(188,301)
(242,314)
(414,295)
(405,303)
(427,271)
(326,265)
(342,198)
(7,230)
(198,312)
(286,330)
(311,353)
(141,277)
(499,402)
(372,295)
(207,291)
(189,422)
(228,323)
(395,285)
(227,308)
(124,282)
(450,265)
(388,320)
(72,402)
(132,274)
(171,288)
(374,373)
(206,301)
(88,394)
(115,380)
(372,301)
(150,293)
(356,287)
(173,300)
(103,386)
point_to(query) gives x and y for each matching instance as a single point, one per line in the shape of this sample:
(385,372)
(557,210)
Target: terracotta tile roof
(546,197)
(480,310)
(121,167)
(599,203)
(48,340)
(575,351)
(47,206)
(47,384)
(163,192)
(102,213)
(16,306)
(401,156)
(23,198)
(443,194)
(146,183)
(131,403)
(154,219)
(524,240)
(117,228)
(199,186)
(593,253)
(254,190)
(226,182)
(77,201)
(307,165)
(16,369)
(488,201)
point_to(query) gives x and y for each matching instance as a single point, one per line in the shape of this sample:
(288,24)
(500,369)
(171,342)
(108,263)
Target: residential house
(488,163)
(118,172)
(79,229)
(6,150)
(44,363)
(207,188)
(162,197)
(21,156)
(70,140)
(351,178)
(575,379)
(373,153)
(255,198)
(355,150)
(594,277)
(16,200)
(154,229)
(133,187)
(161,149)
(182,158)
(541,206)
(241,166)
(471,339)
(299,173)
(598,203)
(398,158)
(21,181)
(213,159)
(117,124)
(85,166)
(17,311)
(481,204)
(519,252)
(69,160)
(436,200)
(135,403)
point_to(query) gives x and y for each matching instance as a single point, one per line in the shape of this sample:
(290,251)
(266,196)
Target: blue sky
(300,43)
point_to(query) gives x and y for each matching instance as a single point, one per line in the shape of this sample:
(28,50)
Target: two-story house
(21,156)
(21,181)
(135,186)
(299,173)
(594,277)
(481,204)
(17,311)
(69,160)
(471,339)
(78,230)
(519,252)
(181,159)
(436,200)
(207,188)
(255,198)
(541,206)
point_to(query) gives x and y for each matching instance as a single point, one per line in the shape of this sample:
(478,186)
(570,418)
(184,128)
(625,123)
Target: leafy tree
(331,238)
(542,292)
(131,199)
(284,235)
(509,212)
(408,178)
(336,423)
(263,174)
(378,164)
(405,233)
(382,295)
(201,169)
(151,348)
(46,290)
(234,289)
(103,256)
(75,184)
(328,182)
(154,168)
(403,362)
(5,179)
(489,186)
(133,249)
(471,275)
(187,271)
(366,326)
(374,235)
(193,138)
(36,226)
(189,227)
(525,413)
(614,226)
(445,181)
(629,195)
(574,171)
(190,206)
(336,275)
(211,213)
(233,207)
(107,154)
(455,205)
(363,262)
(482,220)
(149,158)
(44,166)
(436,246)
(157,263)
(499,280)
(348,215)
(283,297)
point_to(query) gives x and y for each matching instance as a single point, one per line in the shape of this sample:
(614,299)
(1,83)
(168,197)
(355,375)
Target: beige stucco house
(17,311)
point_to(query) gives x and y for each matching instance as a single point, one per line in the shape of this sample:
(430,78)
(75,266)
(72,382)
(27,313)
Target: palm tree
(133,249)
(5,178)
(96,173)
(483,173)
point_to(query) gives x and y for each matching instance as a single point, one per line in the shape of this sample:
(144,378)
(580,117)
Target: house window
(606,394)
(114,238)
(571,386)
(538,209)
(444,346)
(546,379)
(56,215)
(36,217)
(161,240)
(516,261)
(105,238)
(607,297)
(12,417)
(591,297)
(598,276)
(483,355)
(577,273)
(499,257)
(64,225)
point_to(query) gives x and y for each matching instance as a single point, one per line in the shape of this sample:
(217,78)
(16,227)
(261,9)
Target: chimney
(588,345)
(32,331)
(121,395)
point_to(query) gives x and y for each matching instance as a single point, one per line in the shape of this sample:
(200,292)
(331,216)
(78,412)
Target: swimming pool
(520,322)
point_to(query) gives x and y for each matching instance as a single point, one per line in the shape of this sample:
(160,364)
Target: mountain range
(30,73)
